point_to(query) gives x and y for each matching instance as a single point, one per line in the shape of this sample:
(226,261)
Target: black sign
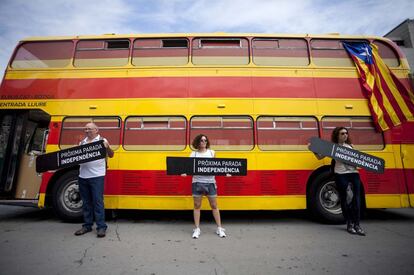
(347,155)
(70,157)
(206,166)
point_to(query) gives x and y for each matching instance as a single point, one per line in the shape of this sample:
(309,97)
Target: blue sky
(21,18)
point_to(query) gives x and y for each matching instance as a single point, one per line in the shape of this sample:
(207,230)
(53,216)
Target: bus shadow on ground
(16,213)
(206,215)
(286,216)
(402,215)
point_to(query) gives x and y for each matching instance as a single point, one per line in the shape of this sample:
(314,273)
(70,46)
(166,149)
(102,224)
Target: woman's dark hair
(335,135)
(197,140)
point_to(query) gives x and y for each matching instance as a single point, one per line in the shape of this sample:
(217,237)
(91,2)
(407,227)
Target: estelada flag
(390,102)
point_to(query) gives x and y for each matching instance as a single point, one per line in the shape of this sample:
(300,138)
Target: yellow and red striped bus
(256,96)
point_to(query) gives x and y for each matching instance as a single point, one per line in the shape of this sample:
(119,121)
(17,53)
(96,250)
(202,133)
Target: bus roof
(215,34)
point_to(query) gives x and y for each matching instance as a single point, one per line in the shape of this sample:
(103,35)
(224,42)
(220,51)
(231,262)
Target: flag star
(366,52)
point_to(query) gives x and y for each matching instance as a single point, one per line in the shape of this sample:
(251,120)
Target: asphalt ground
(34,241)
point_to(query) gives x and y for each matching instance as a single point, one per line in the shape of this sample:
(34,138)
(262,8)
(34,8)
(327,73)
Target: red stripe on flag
(385,114)
(405,93)
(387,91)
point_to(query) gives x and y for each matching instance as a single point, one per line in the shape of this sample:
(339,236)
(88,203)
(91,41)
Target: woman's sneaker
(196,233)
(220,232)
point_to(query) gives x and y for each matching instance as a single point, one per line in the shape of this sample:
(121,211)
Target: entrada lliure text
(22,104)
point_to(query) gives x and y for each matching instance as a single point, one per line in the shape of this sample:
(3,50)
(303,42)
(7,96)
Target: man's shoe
(359,230)
(101,233)
(220,232)
(350,228)
(82,231)
(196,233)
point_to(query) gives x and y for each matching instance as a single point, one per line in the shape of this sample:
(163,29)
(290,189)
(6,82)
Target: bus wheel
(67,202)
(323,199)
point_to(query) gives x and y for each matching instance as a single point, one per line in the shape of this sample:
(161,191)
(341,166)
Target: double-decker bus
(256,96)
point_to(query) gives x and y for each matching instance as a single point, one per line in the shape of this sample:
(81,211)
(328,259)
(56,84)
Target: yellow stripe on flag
(386,74)
(387,104)
(380,114)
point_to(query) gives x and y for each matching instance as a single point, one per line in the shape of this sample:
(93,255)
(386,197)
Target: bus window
(160,52)
(155,133)
(330,53)
(285,133)
(102,53)
(280,52)
(220,51)
(363,133)
(225,133)
(73,130)
(387,54)
(51,54)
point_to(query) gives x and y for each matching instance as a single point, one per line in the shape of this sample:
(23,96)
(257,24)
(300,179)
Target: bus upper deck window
(160,52)
(330,53)
(43,54)
(387,54)
(117,44)
(220,51)
(102,53)
(280,52)
(174,43)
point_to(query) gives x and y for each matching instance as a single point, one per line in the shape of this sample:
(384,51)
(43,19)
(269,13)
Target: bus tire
(323,199)
(67,203)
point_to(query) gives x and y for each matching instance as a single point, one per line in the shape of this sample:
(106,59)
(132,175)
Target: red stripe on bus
(256,183)
(181,87)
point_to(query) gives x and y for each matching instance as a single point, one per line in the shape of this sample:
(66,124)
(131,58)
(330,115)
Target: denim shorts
(201,188)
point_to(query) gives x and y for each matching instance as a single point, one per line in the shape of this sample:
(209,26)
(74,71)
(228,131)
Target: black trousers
(352,210)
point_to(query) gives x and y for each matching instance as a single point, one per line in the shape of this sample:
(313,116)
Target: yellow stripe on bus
(387,200)
(224,202)
(204,106)
(238,202)
(188,71)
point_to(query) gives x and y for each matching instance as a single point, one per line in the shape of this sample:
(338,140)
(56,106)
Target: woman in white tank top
(204,185)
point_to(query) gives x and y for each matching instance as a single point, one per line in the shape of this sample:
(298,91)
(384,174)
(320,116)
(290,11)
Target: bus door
(22,136)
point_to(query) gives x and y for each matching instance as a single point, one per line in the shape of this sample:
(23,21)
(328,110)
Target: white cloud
(20,18)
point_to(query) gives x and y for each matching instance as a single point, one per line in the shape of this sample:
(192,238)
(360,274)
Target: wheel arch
(311,178)
(324,169)
(53,181)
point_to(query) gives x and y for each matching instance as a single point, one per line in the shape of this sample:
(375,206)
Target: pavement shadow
(401,215)
(206,215)
(19,213)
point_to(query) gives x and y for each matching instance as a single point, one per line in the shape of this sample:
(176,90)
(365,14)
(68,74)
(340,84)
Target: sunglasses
(343,133)
(203,140)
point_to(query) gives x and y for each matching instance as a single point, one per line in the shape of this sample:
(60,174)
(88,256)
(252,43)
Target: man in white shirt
(91,185)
